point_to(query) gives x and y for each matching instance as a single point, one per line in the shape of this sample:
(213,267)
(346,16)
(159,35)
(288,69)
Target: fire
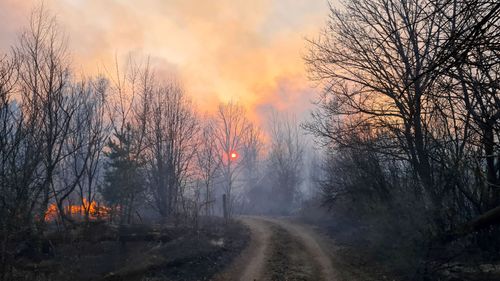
(96,211)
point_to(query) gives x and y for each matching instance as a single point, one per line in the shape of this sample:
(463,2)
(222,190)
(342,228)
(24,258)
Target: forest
(409,117)
(398,163)
(123,148)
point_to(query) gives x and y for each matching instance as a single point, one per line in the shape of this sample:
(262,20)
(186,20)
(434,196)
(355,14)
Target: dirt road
(281,250)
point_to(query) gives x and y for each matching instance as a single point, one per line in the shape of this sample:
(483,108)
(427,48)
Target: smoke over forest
(367,151)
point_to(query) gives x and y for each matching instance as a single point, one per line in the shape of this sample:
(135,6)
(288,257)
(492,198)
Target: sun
(234,155)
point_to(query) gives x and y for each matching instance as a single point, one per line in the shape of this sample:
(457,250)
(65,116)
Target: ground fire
(96,211)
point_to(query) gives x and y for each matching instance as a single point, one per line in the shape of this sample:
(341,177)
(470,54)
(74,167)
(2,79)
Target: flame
(96,211)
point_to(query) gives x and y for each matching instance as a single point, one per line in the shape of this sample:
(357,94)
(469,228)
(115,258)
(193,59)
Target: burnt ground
(353,256)
(358,258)
(141,252)
(200,256)
(356,261)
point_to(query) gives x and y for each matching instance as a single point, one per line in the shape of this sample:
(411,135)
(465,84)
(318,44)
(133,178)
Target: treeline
(410,117)
(119,146)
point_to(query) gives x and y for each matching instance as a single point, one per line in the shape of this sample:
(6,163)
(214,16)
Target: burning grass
(93,209)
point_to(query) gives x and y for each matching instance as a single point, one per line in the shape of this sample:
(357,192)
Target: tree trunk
(224,207)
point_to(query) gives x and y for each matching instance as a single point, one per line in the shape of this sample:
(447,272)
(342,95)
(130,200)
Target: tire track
(268,234)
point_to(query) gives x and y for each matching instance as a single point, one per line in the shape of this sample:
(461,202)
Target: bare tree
(94,130)
(208,162)
(47,104)
(285,161)
(230,130)
(14,198)
(409,113)
(468,25)
(127,106)
(251,162)
(171,134)
(377,61)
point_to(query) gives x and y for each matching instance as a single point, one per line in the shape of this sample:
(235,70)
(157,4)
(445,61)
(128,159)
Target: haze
(246,51)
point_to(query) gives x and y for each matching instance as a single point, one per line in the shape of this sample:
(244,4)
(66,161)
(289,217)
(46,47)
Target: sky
(249,51)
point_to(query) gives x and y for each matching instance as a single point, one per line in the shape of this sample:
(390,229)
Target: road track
(296,249)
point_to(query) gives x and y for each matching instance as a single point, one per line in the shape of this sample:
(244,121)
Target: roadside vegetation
(409,120)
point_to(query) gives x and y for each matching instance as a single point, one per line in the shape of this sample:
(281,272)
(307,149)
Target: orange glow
(234,155)
(222,50)
(96,211)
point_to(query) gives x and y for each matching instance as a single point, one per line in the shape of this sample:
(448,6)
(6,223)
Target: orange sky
(247,51)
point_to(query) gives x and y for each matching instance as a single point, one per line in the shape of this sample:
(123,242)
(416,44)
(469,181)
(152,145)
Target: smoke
(249,51)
